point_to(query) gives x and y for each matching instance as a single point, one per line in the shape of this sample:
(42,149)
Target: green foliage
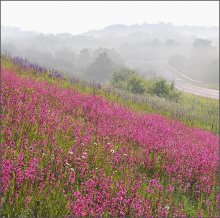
(129,80)
(162,88)
(133,82)
(48,203)
(120,77)
(135,85)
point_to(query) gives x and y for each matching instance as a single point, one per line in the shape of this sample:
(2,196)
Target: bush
(121,77)
(135,85)
(160,88)
(163,89)
(133,82)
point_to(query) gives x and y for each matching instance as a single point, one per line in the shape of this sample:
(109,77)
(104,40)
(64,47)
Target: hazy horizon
(115,24)
(64,16)
(70,36)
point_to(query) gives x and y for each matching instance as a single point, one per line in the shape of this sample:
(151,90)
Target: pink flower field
(70,154)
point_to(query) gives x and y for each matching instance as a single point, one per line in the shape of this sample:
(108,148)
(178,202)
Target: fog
(96,54)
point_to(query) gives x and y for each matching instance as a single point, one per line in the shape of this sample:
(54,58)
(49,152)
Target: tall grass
(193,110)
(75,149)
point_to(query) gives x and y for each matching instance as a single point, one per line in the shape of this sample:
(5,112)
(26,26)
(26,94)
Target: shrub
(135,85)
(120,77)
(163,89)
(160,88)
(133,82)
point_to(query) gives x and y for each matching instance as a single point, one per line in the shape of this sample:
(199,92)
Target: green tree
(135,85)
(163,89)
(133,82)
(120,77)
(101,69)
(160,88)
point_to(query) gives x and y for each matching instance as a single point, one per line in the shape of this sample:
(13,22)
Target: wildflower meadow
(71,153)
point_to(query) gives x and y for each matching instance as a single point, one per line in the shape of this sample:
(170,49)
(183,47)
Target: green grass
(194,111)
(51,202)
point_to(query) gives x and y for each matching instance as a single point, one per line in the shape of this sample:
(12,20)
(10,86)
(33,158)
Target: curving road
(182,82)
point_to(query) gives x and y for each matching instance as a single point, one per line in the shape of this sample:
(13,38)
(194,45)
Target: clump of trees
(101,69)
(135,83)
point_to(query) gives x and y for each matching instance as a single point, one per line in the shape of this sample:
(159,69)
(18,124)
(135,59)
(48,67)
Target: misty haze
(151,49)
(109,109)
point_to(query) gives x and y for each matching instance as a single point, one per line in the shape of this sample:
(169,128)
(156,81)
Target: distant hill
(140,42)
(164,28)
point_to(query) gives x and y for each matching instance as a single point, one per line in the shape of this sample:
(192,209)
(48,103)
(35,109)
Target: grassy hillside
(194,111)
(75,149)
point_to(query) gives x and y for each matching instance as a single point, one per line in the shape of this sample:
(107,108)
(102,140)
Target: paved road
(182,82)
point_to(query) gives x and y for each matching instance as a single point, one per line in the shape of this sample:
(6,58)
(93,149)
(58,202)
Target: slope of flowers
(65,153)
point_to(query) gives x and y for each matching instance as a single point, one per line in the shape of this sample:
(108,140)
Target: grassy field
(72,149)
(193,110)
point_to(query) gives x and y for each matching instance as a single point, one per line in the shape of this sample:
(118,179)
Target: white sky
(78,17)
